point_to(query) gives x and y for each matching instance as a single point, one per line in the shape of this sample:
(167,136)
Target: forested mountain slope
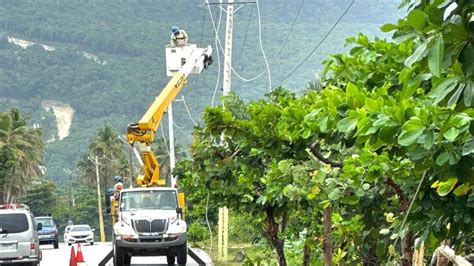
(105,59)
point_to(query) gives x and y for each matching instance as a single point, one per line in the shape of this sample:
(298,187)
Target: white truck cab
(19,243)
(149,223)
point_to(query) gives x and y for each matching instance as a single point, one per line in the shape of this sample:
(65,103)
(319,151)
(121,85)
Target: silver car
(19,241)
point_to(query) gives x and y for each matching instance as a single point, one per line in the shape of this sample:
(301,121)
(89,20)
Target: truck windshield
(13,223)
(149,199)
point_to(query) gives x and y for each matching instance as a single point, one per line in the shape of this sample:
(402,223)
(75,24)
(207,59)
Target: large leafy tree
(387,144)
(42,198)
(26,145)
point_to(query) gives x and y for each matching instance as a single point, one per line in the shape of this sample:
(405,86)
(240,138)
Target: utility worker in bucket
(179,38)
(118,186)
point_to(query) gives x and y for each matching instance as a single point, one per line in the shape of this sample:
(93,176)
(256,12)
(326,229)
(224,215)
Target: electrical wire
(320,42)
(176,126)
(164,140)
(189,113)
(217,44)
(261,47)
(246,31)
(408,211)
(201,40)
(208,225)
(278,52)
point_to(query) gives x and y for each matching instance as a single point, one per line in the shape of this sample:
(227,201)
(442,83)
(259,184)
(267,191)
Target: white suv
(18,235)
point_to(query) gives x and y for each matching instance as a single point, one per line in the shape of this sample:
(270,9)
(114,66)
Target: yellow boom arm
(144,130)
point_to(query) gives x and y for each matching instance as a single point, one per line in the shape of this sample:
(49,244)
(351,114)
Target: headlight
(176,228)
(173,219)
(124,230)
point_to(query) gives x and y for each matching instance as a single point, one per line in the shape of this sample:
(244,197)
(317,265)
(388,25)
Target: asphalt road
(93,255)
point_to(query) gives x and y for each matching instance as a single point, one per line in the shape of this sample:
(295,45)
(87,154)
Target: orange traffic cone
(72,260)
(79,257)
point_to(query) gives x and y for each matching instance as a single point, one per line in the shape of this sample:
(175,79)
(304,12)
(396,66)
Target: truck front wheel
(182,254)
(170,259)
(121,256)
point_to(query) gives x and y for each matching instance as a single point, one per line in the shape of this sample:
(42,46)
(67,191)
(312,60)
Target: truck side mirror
(107,205)
(179,210)
(39,227)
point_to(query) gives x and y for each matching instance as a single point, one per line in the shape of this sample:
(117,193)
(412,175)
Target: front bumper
(73,240)
(47,238)
(19,260)
(151,242)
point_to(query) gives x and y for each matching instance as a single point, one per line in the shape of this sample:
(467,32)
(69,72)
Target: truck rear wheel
(182,254)
(170,259)
(121,256)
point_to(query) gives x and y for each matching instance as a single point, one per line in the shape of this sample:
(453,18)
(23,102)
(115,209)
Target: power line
(261,47)
(246,31)
(189,113)
(217,44)
(164,140)
(320,42)
(176,126)
(278,52)
(201,40)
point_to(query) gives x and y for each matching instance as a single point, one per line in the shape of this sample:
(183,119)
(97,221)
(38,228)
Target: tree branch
(315,151)
(403,197)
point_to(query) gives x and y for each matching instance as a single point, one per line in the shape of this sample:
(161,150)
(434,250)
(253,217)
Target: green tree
(27,145)
(42,198)
(386,144)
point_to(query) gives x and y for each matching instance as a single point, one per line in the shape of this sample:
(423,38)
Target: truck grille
(153,226)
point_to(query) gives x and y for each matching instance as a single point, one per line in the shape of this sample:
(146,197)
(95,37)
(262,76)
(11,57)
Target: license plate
(8,246)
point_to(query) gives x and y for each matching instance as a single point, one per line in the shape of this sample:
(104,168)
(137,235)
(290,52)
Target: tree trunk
(408,241)
(407,244)
(327,244)
(272,231)
(306,255)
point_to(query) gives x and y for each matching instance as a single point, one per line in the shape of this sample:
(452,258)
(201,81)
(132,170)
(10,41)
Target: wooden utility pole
(99,202)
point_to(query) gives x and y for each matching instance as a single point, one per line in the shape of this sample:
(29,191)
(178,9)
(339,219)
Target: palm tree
(28,147)
(87,171)
(109,149)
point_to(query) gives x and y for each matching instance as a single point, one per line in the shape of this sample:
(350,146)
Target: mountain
(81,64)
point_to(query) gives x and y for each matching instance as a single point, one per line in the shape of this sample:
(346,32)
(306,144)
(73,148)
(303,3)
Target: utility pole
(69,172)
(229,28)
(227,82)
(171,140)
(99,201)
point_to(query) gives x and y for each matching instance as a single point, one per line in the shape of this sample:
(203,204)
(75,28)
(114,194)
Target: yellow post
(99,202)
(226,232)
(222,234)
(220,226)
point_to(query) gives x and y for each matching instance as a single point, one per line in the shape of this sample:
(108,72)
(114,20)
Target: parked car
(81,233)
(49,234)
(66,232)
(19,241)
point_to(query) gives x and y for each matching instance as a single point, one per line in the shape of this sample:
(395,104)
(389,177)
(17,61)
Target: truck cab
(150,223)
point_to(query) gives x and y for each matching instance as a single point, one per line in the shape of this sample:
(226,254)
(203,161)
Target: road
(93,255)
